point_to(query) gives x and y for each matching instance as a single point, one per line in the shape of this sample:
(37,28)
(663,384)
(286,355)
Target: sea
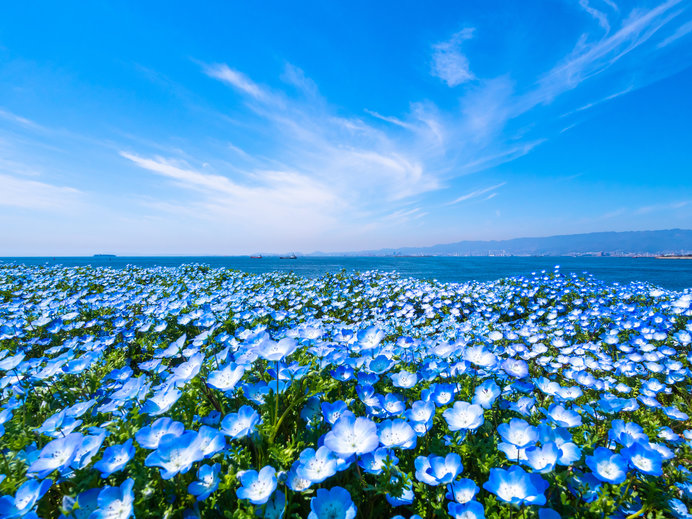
(671,274)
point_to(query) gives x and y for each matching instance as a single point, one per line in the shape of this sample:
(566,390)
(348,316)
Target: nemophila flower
(486,394)
(518,432)
(470,510)
(88,448)
(150,436)
(351,435)
(438,470)
(404,379)
(162,401)
(643,458)
(480,356)
(275,351)
(563,417)
(210,440)
(81,507)
(295,482)
(516,368)
(512,452)
(626,433)
(335,503)
(175,454)
(516,486)
(275,507)
(674,413)
(316,465)
(226,378)
(256,392)
(462,490)
(525,405)
(241,424)
(607,466)
(397,433)
(115,458)
(332,412)
(679,509)
(394,404)
(375,461)
(56,455)
(464,416)
(24,499)
(442,394)
(207,481)
(115,502)
(544,458)
(257,487)
(380,364)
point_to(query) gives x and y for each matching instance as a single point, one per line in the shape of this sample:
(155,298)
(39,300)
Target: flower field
(200,392)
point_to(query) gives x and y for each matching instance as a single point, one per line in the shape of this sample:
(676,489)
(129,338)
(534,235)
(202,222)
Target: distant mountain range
(630,243)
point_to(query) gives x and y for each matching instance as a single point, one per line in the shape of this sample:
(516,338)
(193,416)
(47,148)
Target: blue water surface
(667,273)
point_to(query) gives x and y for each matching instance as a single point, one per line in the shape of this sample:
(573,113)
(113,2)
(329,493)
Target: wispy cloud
(599,16)
(589,59)
(477,193)
(449,63)
(683,30)
(237,80)
(32,194)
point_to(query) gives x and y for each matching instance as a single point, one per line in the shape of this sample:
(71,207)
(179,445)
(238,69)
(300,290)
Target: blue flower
(470,510)
(518,432)
(115,458)
(397,434)
(335,503)
(162,400)
(115,502)
(404,379)
(175,454)
(276,351)
(463,415)
(607,466)
(486,394)
(438,470)
(316,466)
(56,455)
(516,486)
(226,378)
(374,462)
(351,435)
(24,499)
(643,458)
(207,481)
(332,412)
(543,459)
(462,490)
(257,487)
(150,436)
(241,424)
(563,417)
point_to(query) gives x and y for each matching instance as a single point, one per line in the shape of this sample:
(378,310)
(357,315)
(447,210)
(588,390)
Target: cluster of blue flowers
(198,392)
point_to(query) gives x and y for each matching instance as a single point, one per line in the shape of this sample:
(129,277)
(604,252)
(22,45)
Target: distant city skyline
(162,128)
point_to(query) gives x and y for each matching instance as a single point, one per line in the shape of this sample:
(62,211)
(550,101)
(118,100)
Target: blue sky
(239,127)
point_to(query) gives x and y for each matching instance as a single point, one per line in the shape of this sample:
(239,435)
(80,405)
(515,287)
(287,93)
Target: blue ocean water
(667,273)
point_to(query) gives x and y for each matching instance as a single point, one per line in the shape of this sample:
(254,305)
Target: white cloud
(681,31)
(32,194)
(448,62)
(599,16)
(237,80)
(477,193)
(590,59)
